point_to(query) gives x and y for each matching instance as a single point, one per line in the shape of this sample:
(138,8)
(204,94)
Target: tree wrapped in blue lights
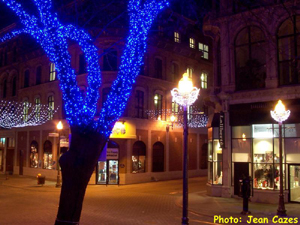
(88,136)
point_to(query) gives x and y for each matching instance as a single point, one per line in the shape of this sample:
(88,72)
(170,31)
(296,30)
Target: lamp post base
(281,208)
(58,184)
(185,221)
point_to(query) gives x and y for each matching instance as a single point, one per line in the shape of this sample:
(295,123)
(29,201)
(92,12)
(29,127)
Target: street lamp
(172,118)
(59,127)
(185,95)
(280,115)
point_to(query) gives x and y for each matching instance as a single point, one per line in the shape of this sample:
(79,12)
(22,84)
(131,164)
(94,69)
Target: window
(26,78)
(203,79)
(189,71)
(34,155)
(4,88)
(48,157)
(14,86)
(139,104)
(158,105)
(38,75)
(192,43)
(288,51)
(250,59)
(204,49)
(110,60)
(158,160)
(175,72)
(158,68)
(82,64)
(138,157)
(50,106)
(25,110)
(176,37)
(52,72)
(37,108)
(175,108)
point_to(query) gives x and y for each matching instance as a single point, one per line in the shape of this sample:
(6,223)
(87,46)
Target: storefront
(253,148)
(108,165)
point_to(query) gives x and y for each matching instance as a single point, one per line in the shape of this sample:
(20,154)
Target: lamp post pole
(185,95)
(59,127)
(280,114)
(281,208)
(185,219)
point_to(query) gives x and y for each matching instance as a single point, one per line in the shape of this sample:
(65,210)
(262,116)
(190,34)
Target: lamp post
(185,95)
(280,114)
(59,127)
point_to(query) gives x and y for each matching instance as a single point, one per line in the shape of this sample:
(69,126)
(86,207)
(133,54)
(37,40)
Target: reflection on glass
(264,175)
(48,161)
(113,171)
(138,164)
(33,157)
(294,183)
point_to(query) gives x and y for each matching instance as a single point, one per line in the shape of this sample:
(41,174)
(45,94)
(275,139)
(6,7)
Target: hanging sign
(222,130)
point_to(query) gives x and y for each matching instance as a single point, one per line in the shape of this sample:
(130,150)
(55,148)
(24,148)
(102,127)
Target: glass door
(294,179)
(113,171)
(101,172)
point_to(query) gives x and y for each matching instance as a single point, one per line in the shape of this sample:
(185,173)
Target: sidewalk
(202,208)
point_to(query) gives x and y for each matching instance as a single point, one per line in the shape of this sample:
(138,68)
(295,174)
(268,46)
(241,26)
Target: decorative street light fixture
(59,127)
(185,95)
(280,115)
(172,118)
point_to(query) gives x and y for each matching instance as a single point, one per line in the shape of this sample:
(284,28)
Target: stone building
(256,64)
(141,148)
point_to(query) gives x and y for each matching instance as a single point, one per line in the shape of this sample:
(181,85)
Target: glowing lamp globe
(280,114)
(185,85)
(59,126)
(172,118)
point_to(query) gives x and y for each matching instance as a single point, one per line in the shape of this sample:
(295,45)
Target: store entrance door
(113,173)
(240,168)
(294,186)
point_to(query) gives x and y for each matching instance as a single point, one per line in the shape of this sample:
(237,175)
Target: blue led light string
(141,19)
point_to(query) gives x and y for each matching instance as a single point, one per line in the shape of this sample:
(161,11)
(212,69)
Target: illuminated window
(48,157)
(34,155)
(203,79)
(25,110)
(158,105)
(52,72)
(192,43)
(50,106)
(175,72)
(175,108)
(37,107)
(189,71)
(204,49)
(138,157)
(176,37)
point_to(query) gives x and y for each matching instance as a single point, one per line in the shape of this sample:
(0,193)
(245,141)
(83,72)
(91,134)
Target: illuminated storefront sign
(124,129)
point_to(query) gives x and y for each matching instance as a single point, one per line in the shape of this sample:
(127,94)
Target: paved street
(24,202)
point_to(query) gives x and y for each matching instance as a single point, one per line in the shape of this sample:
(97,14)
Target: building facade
(256,64)
(144,146)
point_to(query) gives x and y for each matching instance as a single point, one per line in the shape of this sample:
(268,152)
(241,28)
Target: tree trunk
(77,166)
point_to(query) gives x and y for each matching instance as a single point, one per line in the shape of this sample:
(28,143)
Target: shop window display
(34,156)
(48,157)
(138,157)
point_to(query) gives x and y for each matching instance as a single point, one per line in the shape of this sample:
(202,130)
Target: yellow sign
(124,130)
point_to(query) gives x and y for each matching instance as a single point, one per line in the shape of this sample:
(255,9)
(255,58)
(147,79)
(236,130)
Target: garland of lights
(196,119)
(16,114)
(53,36)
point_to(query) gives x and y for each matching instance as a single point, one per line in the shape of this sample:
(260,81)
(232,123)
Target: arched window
(34,155)
(138,157)
(158,105)
(48,155)
(4,88)
(38,75)
(25,110)
(26,78)
(158,163)
(158,68)
(51,106)
(37,102)
(14,86)
(288,51)
(250,59)
(52,72)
